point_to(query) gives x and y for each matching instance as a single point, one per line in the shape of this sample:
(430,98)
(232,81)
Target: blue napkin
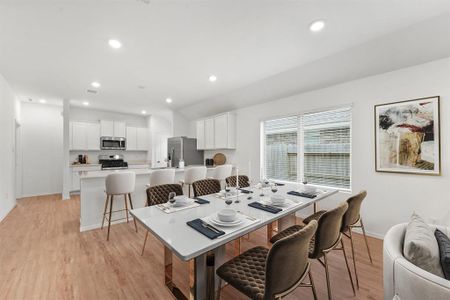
(201,201)
(208,232)
(301,194)
(268,208)
(279,184)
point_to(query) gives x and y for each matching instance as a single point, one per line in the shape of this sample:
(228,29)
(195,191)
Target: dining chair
(206,187)
(327,238)
(260,273)
(222,172)
(159,194)
(162,176)
(351,219)
(118,184)
(243,181)
(192,174)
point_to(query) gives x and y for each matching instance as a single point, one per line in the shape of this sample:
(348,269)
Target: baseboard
(39,195)
(370,233)
(7,211)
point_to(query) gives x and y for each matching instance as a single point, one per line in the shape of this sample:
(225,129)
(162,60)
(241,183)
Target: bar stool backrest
(192,174)
(222,172)
(163,176)
(354,207)
(120,183)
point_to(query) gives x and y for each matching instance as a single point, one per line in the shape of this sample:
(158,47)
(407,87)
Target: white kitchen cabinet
(142,142)
(221,131)
(209,133)
(76,174)
(78,136)
(84,136)
(200,128)
(107,128)
(92,136)
(131,138)
(119,129)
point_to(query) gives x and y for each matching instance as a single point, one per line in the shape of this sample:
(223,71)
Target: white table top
(187,243)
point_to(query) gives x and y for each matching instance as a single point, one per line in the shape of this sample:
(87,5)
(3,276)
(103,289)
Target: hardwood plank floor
(44,256)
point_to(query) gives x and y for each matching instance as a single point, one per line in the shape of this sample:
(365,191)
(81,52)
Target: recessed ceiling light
(212,78)
(317,26)
(143,112)
(85,103)
(116,44)
(42,101)
(169,100)
(95,84)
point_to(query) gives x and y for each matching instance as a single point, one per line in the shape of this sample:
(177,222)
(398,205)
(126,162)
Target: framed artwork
(407,137)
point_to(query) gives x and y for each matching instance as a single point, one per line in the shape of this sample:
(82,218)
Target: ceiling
(55,49)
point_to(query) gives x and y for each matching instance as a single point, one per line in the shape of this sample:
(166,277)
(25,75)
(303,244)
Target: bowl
(277,199)
(181,199)
(227,215)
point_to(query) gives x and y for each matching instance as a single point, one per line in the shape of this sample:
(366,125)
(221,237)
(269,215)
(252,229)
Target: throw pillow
(444,249)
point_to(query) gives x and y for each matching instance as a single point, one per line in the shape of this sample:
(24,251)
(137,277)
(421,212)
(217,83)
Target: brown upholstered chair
(327,238)
(206,187)
(351,219)
(264,274)
(159,194)
(243,181)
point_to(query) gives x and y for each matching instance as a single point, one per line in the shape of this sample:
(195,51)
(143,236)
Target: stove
(112,162)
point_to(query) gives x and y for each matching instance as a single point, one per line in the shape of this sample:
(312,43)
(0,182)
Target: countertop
(84,165)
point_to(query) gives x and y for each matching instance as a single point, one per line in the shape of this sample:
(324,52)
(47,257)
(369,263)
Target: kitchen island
(92,194)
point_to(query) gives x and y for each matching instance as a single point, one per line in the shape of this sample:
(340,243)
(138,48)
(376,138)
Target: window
(315,146)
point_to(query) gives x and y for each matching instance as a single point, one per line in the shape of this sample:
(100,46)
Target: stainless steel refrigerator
(185,148)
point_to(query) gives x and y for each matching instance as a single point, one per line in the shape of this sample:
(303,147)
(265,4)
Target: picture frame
(408,136)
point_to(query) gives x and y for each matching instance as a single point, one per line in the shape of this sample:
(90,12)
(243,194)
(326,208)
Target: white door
(79,141)
(120,129)
(209,133)
(159,150)
(142,139)
(107,128)
(221,132)
(131,138)
(200,134)
(93,136)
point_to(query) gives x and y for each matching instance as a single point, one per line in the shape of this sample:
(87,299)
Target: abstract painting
(407,137)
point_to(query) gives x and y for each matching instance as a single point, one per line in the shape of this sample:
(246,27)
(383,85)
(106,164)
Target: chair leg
(105,210)
(348,267)
(189,190)
(145,242)
(327,275)
(131,206)
(313,287)
(353,255)
(219,289)
(110,215)
(365,239)
(126,206)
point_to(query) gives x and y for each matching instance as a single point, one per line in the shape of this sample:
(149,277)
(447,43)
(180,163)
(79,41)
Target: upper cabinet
(84,136)
(113,128)
(218,132)
(137,138)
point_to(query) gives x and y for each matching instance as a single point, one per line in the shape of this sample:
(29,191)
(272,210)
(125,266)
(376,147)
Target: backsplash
(93,155)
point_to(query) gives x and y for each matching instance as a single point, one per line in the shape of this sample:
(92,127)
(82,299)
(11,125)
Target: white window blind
(319,143)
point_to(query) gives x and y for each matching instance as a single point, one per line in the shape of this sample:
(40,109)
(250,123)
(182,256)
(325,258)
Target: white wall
(42,149)
(7,155)
(391,197)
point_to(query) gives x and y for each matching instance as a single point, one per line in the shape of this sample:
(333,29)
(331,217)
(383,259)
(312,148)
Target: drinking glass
(172,198)
(274,188)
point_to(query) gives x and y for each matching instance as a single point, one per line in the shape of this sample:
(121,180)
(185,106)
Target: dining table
(206,254)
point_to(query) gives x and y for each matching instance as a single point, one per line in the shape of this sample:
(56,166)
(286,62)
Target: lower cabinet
(76,175)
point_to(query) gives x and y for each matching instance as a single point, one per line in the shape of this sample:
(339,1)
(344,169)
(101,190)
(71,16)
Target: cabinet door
(159,150)
(107,128)
(79,140)
(221,131)
(200,134)
(209,133)
(93,136)
(142,139)
(120,129)
(75,181)
(131,138)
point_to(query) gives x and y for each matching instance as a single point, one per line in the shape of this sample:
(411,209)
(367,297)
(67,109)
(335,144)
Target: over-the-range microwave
(112,143)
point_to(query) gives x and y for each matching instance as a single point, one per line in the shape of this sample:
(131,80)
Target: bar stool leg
(110,215)
(105,210)
(126,206)
(131,206)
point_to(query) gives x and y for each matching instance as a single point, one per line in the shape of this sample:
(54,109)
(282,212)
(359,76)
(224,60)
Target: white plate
(216,221)
(285,204)
(178,204)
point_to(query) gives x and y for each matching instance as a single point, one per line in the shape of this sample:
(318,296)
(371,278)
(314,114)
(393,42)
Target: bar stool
(122,183)
(192,174)
(162,176)
(222,172)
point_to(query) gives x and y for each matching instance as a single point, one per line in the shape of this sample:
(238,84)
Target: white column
(66,157)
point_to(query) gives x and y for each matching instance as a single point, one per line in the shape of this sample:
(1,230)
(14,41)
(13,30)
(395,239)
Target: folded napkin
(207,230)
(245,191)
(201,201)
(279,184)
(302,194)
(265,207)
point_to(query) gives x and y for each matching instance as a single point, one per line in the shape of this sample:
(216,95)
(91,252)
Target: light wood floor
(44,256)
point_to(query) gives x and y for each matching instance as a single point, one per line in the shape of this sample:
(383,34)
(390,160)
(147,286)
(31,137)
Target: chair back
(206,187)
(222,172)
(243,181)
(287,262)
(351,216)
(162,176)
(192,174)
(160,193)
(120,183)
(328,230)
